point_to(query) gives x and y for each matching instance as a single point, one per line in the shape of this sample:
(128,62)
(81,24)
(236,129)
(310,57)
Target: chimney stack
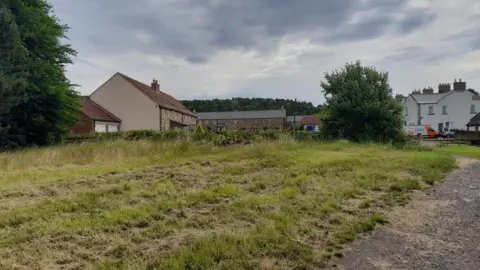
(444,88)
(428,90)
(155,85)
(459,85)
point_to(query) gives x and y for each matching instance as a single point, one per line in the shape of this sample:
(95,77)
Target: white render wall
(123,100)
(458,111)
(410,106)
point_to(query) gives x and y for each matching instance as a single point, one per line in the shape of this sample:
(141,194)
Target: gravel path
(438,230)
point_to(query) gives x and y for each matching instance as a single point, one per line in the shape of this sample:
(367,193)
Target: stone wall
(245,124)
(168,115)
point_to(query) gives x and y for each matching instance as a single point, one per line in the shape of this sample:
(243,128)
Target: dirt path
(438,230)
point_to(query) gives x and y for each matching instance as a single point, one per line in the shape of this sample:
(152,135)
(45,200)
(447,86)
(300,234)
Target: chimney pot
(155,85)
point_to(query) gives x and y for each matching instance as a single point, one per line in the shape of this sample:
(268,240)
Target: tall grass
(179,205)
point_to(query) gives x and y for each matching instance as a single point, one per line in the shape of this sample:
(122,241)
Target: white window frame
(431,110)
(473,109)
(444,109)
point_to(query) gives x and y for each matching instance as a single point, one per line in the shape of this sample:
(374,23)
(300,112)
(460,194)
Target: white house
(445,110)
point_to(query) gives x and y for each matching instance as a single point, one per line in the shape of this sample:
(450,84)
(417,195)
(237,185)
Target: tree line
(292,107)
(37,101)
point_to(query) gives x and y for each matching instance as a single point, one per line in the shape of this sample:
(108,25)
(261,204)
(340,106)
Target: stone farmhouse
(123,104)
(267,120)
(444,110)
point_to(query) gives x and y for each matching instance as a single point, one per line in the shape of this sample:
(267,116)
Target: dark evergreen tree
(13,62)
(52,105)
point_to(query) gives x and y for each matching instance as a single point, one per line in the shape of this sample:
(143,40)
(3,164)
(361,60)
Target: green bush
(199,134)
(360,106)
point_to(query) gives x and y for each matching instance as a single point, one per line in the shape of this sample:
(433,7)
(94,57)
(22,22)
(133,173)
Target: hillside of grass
(177,205)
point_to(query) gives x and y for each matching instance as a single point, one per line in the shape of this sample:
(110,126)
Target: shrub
(200,133)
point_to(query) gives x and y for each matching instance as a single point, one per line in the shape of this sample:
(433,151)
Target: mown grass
(146,205)
(460,150)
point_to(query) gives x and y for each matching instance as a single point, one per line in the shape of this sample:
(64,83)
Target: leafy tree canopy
(473,91)
(52,105)
(359,105)
(293,107)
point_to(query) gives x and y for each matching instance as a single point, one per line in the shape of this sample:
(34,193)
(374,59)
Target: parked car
(447,134)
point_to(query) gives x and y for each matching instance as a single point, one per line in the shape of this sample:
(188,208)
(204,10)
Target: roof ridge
(160,96)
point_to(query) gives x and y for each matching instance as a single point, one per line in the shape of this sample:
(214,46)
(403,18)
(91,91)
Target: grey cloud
(415,19)
(407,53)
(196,59)
(370,28)
(195,29)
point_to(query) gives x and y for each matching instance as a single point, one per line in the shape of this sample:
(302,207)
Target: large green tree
(52,105)
(360,105)
(13,62)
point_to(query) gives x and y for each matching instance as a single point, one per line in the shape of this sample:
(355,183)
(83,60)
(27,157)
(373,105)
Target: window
(112,128)
(406,111)
(472,109)
(447,126)
(430,110)
(100,128)
(444,109)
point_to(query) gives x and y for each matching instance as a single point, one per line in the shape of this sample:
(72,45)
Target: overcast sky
(270,48)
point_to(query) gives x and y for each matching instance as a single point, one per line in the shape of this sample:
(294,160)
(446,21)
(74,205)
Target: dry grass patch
(145,205)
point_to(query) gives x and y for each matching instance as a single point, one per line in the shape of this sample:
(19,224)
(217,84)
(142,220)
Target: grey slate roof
(297,118)
(241,115)
(475,121)
(430,98)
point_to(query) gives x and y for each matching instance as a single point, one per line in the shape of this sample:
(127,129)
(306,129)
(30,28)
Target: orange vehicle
(423,130)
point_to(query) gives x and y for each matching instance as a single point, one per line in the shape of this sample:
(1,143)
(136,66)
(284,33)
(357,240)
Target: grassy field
(460,150)
(145,205)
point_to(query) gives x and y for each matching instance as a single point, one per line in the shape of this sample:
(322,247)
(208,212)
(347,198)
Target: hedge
(222,137)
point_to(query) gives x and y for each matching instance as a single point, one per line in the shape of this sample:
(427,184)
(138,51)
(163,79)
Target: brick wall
(84,126)
(167,115)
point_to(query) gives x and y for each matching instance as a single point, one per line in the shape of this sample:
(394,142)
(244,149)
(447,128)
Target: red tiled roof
(96,112)
(310,120)
(160,98)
